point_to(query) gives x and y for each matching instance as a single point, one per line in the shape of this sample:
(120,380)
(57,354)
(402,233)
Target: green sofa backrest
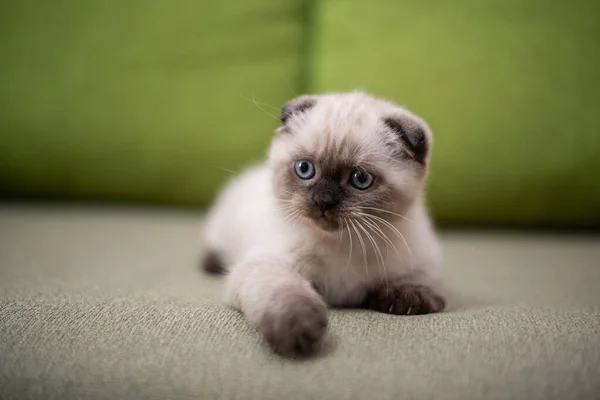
(141,100)
(511,89)
(155,101)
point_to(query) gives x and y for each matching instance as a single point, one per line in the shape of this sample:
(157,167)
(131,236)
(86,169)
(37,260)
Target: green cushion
(511,89)
(140,100)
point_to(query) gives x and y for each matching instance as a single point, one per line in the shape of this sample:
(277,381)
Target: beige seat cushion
(108,303)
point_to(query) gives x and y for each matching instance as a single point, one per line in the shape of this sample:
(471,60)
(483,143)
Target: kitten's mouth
(325,221)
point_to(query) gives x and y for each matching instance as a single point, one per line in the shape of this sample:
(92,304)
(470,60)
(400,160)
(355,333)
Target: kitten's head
(337,157)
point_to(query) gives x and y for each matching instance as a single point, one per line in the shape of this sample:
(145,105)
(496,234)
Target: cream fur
(273,259)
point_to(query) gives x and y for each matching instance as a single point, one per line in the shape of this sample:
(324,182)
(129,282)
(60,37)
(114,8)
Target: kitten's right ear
(297,106)
(413,133)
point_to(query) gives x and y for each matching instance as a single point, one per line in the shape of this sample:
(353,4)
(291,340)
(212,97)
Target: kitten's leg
(212,263)
(280,303)
(405,296)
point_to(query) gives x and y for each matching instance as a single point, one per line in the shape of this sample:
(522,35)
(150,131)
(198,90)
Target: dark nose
(325,200)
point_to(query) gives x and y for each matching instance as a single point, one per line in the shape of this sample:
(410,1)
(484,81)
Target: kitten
(335,217)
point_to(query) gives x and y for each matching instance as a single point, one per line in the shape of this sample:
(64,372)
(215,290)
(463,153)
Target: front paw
(404,298)
(295,324)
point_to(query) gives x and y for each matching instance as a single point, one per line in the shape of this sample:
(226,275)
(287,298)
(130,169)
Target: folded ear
(414,135)
(297,106)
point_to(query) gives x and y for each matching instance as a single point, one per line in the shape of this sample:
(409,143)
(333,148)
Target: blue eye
(305,169)
(361,179)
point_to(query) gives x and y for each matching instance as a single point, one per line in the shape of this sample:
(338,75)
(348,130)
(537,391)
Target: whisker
(362,245)
(260,108)
(340,236)
(293,217)
(286,203)
(286,206)
(382,235)
(376,249)
(226,170)
(387,212)
(289,192)
(393,229)
(302,216)
(359,203)
(350,238)
(288,214)
(267,105)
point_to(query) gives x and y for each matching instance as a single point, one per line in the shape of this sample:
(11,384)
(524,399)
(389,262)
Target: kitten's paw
(296,324)
(405,298)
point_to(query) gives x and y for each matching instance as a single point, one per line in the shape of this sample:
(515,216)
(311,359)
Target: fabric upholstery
(99,303)
(510,88)
(144,100)
(153,101)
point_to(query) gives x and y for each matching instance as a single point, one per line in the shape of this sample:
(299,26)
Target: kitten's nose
(325,201)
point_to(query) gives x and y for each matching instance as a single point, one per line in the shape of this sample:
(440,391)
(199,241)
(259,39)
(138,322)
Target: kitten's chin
(326,224)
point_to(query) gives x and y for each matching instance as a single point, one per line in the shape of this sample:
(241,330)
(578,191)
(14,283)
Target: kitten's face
(342,157)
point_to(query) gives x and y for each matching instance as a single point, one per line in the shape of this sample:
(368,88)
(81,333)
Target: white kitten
(336,216)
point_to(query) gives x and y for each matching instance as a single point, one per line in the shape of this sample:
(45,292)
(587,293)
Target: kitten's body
(285,259)
(246,220)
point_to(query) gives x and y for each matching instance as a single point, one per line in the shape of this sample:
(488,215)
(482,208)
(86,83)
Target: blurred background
(155,102)
(121,119)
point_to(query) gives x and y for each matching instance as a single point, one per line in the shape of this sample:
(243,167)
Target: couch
(120,121)
(107,303)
